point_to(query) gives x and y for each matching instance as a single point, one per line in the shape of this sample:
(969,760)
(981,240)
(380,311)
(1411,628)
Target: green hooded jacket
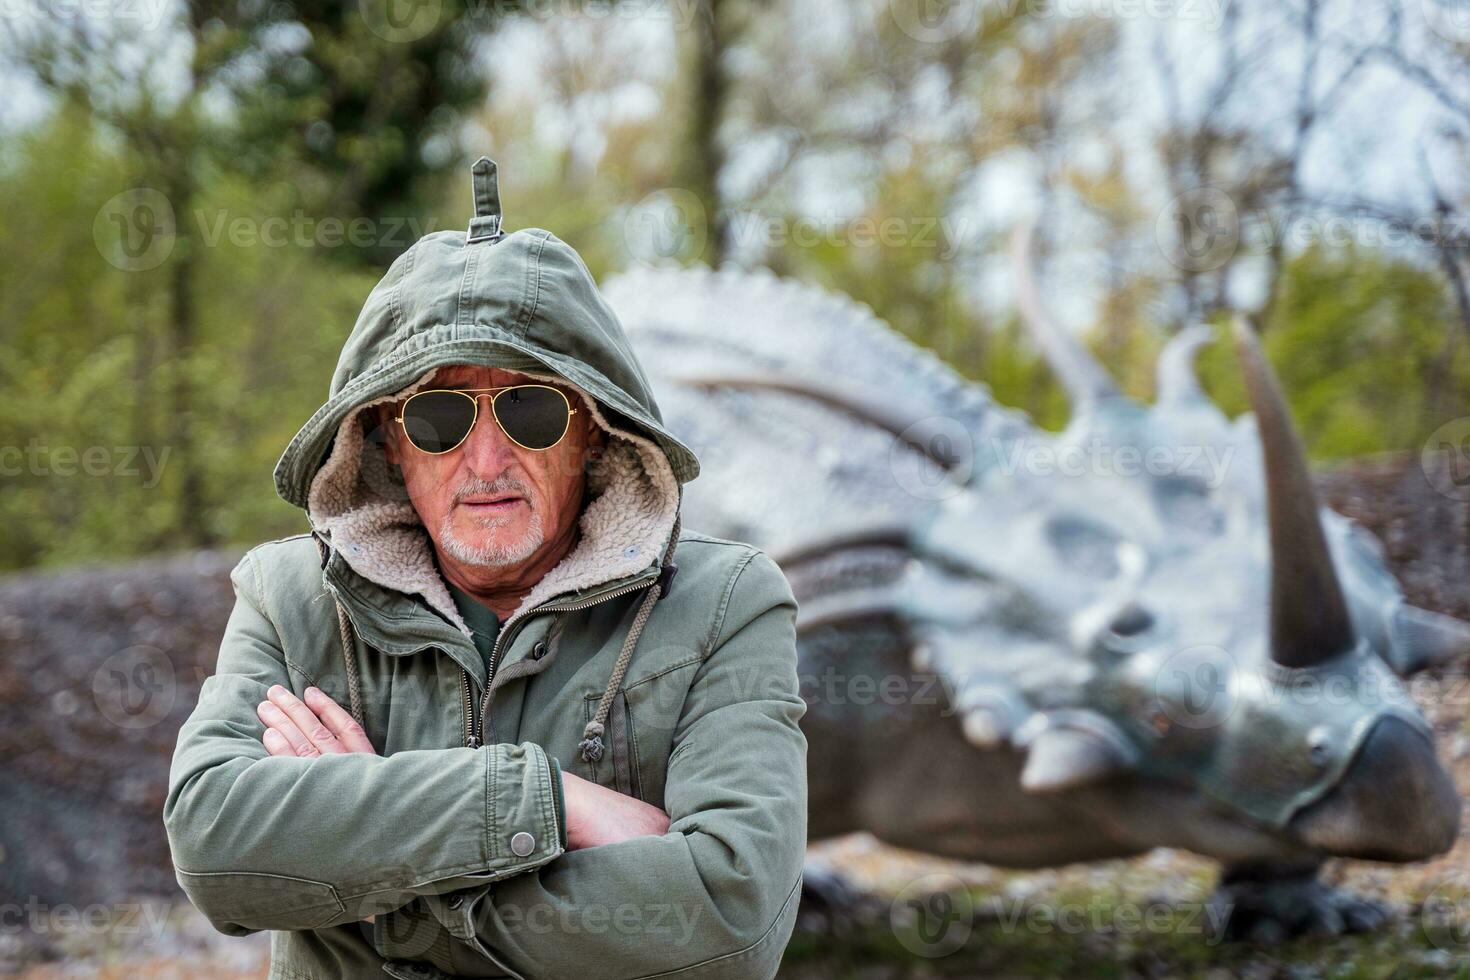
(453,836)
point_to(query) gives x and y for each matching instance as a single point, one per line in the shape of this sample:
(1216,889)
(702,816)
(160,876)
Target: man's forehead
(475,376)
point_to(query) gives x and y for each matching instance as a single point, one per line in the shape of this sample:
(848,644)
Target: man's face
(490,502)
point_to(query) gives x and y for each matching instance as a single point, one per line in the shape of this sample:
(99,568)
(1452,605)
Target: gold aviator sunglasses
(534,417)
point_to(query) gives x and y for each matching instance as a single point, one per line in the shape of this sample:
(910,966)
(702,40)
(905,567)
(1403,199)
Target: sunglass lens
(532,416)
(437,421)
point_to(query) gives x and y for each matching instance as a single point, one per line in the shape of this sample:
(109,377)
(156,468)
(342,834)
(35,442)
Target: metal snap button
(539,650)
(522,844)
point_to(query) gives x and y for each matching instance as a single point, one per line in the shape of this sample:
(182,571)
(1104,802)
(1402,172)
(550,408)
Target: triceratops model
(1028,648)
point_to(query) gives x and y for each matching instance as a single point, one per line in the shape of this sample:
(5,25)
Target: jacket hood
(523,302)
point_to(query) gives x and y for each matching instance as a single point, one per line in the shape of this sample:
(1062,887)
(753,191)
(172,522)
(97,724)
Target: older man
(473,725)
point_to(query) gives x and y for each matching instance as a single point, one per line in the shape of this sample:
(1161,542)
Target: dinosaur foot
(832,905)
(1262,906)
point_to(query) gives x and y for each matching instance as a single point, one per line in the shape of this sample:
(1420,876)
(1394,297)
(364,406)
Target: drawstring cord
(591,744)
(349,648)
(349,661)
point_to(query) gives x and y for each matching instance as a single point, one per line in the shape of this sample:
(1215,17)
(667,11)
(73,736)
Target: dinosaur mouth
(1394,803)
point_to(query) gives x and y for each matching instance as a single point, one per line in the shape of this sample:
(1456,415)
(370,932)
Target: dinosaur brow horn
(1177,383)
(1085,380)
(921,433)
(1309,617)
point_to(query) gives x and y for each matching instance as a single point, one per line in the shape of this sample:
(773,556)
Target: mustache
(504,484)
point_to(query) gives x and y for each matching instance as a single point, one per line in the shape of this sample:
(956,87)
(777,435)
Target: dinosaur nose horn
(1309,617)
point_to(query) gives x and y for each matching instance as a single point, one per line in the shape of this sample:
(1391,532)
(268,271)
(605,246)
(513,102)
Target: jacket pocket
(639,735)
(655,705)
(615,768)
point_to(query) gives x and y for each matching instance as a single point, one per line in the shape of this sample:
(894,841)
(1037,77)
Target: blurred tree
(351,103)
(884,148)
(716,26)
(87,452)
(358,109)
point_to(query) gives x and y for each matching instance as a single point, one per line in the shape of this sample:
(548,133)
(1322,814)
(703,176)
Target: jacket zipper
(475,727)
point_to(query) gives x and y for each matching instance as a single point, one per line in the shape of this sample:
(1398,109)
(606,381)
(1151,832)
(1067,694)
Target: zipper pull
(474,742)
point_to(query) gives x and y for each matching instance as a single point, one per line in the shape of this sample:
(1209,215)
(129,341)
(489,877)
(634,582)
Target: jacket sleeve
(716,896)
(262,842)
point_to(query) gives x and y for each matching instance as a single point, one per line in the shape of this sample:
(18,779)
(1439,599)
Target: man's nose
(487,451)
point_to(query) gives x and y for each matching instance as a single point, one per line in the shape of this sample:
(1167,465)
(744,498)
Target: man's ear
(596,434)
(388,430)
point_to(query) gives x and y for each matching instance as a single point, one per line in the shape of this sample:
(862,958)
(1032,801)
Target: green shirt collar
(479,617)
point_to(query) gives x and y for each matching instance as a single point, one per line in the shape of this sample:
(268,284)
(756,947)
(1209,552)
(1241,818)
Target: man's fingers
(276,744)
(318,726)
(276,721)
(342,724)
(320,736)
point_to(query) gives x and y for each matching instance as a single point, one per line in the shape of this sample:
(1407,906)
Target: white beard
(492,555)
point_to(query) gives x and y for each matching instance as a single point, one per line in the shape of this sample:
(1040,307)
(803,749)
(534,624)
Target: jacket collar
(399,624)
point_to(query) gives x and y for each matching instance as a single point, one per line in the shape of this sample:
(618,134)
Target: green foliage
(362,125)
(90,469)
(1369,351)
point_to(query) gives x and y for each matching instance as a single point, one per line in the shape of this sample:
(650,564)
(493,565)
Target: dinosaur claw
(1363,916)
(1275,909)
(833,906)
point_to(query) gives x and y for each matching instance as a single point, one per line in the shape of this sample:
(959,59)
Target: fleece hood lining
(361,506)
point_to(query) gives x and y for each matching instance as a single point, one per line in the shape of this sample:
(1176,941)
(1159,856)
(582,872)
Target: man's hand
(597,815)
(319,726)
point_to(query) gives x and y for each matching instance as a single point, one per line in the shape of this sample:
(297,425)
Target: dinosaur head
(1210,636)
(1325,744)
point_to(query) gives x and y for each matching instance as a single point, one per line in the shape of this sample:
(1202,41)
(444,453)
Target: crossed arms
(264,838)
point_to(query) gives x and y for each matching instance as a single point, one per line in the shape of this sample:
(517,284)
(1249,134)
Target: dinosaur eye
(1132,620)
(1184,501)
(1127,629)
